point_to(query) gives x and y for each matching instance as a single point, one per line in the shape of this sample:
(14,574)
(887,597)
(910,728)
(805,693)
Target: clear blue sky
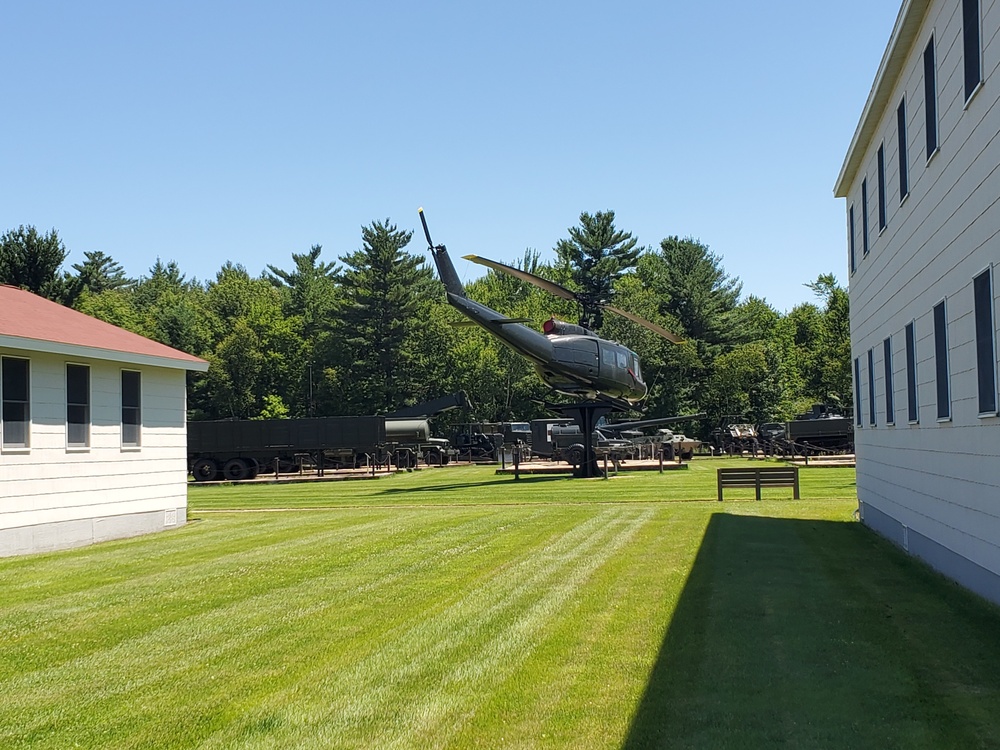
(205,131)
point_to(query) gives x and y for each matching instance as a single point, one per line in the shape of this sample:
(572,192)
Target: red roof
(27,316)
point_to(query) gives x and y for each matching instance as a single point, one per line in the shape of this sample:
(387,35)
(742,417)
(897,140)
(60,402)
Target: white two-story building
(922,184)
(93,440)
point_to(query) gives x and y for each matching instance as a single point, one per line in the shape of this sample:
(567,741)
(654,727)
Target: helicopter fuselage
(581,364)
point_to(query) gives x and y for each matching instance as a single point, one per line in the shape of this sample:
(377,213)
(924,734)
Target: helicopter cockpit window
(622,360)
(607,356)
(635,367)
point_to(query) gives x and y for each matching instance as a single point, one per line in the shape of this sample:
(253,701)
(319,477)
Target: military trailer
(239,449)
(822,429)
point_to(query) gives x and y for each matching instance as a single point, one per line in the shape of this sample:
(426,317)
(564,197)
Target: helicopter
(569,358)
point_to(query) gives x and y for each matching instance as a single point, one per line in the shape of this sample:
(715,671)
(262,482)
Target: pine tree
(33,261)
(376,366)
(596,255)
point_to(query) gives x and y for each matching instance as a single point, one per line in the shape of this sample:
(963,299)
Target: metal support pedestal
(586,415)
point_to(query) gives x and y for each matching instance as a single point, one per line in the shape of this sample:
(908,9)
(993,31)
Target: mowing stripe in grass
(445,663)
(223,631)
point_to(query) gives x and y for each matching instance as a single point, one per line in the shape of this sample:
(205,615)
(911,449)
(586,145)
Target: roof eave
(911,14)
(75,350)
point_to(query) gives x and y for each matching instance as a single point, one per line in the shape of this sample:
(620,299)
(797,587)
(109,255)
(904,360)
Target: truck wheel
(255,468)
(204,470)
(235,470)
(432,456)
(575,454)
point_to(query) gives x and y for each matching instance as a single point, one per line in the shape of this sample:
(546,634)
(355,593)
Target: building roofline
(29,346)
(30,322)
(911,14)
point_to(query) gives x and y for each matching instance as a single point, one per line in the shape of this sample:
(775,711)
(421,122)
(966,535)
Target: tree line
(371,331)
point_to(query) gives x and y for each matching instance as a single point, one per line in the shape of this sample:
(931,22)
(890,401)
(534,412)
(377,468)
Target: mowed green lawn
(454,608)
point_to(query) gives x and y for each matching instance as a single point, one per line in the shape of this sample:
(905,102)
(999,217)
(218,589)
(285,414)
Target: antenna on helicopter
(427,232)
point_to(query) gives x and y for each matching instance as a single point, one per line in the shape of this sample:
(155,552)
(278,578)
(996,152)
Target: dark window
(881,187)
(890,407)
(985,358)
(15,409)
(930,99)
(941,362)
(871,387)
(850,236)
(911,375)
(864,215)
(904,174)
(77,406)
(131,407)
(973,55)
(857,391)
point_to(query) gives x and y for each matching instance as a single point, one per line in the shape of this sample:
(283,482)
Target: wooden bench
(762,476)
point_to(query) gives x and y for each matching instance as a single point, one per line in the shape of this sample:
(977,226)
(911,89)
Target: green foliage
(695,290)
(274,408)
(373,332)
(98,273)
(375,364)
(751,381)
(596,255)
(33,261)
(115,306)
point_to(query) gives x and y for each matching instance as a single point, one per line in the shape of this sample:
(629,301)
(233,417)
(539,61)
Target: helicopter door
(578,351)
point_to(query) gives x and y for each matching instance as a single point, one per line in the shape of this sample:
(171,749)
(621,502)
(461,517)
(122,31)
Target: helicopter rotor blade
(672,337)
(427,232)
(549,286)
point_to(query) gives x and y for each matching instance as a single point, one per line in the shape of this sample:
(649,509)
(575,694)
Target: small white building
(922,183)
(93,439)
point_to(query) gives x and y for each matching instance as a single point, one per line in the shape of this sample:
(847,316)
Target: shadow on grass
(820,634)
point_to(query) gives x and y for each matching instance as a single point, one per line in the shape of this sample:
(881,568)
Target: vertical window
(77,406)
(864,216)
(890,406)
(857,391)
(881,187)
(982,287)
(911,375)
(971,47)
(941,362)
(930,99)
(904,172)
(131,407)
(871,387)
(15,411)
(850,235)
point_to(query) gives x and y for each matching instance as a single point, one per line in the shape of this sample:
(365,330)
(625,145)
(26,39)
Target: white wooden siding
(939,478)
(50,483)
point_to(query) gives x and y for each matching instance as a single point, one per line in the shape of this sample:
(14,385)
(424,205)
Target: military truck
(408,432)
